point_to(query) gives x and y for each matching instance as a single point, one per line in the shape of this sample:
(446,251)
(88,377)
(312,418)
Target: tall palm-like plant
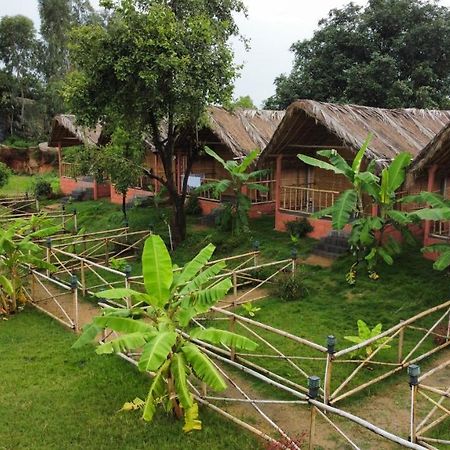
(17,254)
(170,349)
(238,178)
(366,237)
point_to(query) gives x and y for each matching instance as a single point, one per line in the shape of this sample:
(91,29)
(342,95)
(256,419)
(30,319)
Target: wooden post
(278,184)
(75,221)
(233,318)
(312,428)
(400,344)
(48,254)
(331,348)
(106,252)
(74,286)
(83,278)
(430,188)
(234,285)
(412,427)
(59,160)
(33,287)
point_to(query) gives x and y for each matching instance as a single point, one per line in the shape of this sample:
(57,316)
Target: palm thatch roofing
(437,152)
(241,130)
(317,124)
(66,133)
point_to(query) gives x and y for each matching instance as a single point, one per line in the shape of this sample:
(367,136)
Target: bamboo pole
(364,423)
(327,380)
(393,329)
(421,428)
(434,370)
(400,344)
(338,430)
(285,334)
(441,392)
(412,418)
(312,427)
(435,440)
(424,337)
(76,324)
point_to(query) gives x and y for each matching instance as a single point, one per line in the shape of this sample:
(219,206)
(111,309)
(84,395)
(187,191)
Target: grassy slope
(52,397)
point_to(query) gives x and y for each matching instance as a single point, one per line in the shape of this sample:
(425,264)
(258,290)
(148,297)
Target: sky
(272,26)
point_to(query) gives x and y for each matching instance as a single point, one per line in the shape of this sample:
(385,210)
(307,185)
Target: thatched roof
(311,123)
(243,130)
(67,133)
(437,152)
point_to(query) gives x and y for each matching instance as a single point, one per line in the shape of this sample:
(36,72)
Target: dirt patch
(317,260)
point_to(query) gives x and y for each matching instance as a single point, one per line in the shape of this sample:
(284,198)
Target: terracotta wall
(131,194)
(68,185)
(29,161)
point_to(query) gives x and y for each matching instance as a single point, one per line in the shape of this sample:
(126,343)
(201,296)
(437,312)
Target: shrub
(5,173)
(42,188)
(193,207)
(289,288)
(299,228)
(224,217)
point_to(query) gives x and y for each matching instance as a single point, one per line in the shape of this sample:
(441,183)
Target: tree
(367,239)
(172,299)
(153,68)
(391,54)
(236,211)
(120,160)
(244,101)
(18,46)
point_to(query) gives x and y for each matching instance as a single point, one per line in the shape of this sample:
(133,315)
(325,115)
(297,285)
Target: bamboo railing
(306,199)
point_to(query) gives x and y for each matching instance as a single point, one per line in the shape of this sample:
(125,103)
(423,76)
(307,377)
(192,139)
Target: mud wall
(30,160)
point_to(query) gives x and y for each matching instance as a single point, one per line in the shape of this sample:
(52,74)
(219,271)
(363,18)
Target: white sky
(272,26)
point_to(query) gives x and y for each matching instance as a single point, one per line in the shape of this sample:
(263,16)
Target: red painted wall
(131,194)
(68,185)
(321,226)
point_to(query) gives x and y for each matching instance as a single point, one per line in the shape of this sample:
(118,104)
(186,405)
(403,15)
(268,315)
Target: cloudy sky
(272,26)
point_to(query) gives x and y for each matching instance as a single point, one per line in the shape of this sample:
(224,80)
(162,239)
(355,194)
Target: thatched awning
(437,152)
(316,124)
(67,133)
(243,130)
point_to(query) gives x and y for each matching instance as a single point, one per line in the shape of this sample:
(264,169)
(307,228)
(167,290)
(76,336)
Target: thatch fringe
(394,130)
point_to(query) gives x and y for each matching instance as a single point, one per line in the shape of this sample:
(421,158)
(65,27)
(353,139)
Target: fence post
(400,344)
(83,278)
(313,390)
(74,287)
(256,250)
(127,271)
(48,253)
(234,286)
(106,251)
(33,285)
(63,207)
(447,338)
(294,255)
(331,346)
(75,221)
(413,372)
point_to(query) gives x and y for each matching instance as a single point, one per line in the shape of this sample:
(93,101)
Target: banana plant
(238,178)
(366,238)
(365,333)
(17,255)
(437,209)
(160,325)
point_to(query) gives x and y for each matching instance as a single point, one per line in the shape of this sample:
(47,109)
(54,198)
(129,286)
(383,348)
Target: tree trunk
(124,205)
(178,220)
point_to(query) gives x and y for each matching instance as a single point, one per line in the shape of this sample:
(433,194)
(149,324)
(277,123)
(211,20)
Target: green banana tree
(238,210)
(437,209)
(366,238)
(17,255)
(160,325)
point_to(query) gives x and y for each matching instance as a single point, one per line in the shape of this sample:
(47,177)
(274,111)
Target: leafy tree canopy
(155,66)
(393,53)
(244,101)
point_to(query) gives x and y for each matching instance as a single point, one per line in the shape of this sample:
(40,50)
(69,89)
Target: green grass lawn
(17,184)
(56,398)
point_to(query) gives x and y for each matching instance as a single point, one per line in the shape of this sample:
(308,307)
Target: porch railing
(70,170)
(263,197)
(305,199)
(440,229)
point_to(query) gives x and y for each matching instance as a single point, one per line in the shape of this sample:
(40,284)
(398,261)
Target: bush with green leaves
(290,287)
(235,213)
(171,348)
(5,173)
(299,228)
(42,188)
(365,333)
(193,207)
(17,254)
(367,240)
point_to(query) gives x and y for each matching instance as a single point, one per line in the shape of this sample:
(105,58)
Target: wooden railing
(263,197)
(305,199)
(440,229)
(70,170)
(209,194)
